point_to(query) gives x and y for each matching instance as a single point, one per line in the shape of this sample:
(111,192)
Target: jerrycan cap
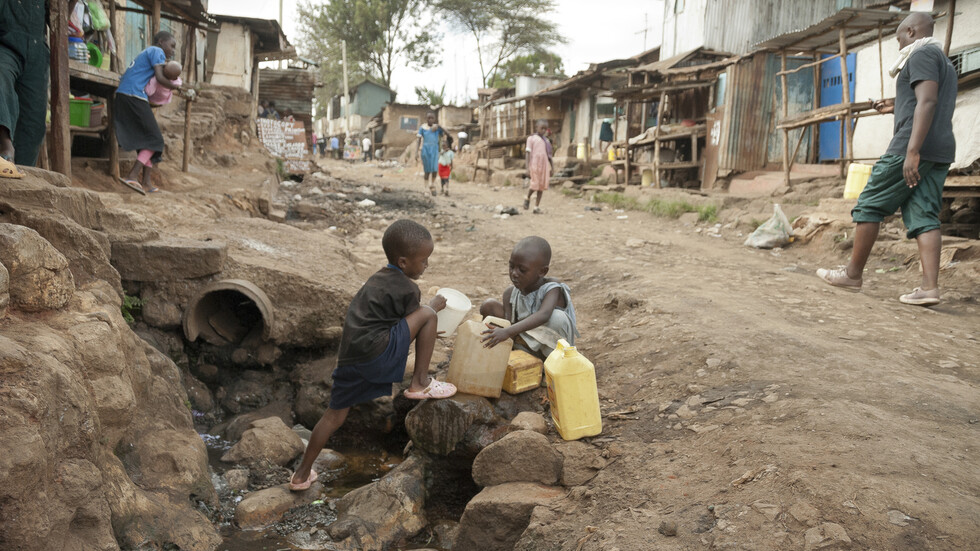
(565,348)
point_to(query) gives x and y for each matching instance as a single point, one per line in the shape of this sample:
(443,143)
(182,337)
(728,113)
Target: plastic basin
(457,306)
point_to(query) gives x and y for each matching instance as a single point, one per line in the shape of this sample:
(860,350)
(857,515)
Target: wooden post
(849,133)
(59,138)
(114,61)
(949,27)
(881,66)
(787,163)
(255,85)
(626,149)
(187,134)
(815,129)
(154,20)
(110,106)
(656,139)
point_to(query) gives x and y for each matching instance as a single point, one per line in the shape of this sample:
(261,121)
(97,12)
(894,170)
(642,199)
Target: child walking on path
(430,135)
(539,165)
(538,307)
(446,164)
(136,127)
(382,321)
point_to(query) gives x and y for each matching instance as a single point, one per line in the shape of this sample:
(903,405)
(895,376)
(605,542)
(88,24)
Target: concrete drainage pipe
(229,312)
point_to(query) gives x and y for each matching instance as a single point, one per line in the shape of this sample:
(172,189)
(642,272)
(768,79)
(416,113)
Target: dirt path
(750,401)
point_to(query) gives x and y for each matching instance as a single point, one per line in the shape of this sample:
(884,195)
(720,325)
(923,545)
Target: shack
(367,98)
(244,42)
(399,127)
(291,88)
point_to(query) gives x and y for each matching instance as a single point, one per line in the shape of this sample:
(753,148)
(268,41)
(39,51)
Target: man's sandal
(9,170)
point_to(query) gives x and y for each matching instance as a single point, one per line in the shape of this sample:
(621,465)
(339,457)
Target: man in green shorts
(911,173)
(24,58)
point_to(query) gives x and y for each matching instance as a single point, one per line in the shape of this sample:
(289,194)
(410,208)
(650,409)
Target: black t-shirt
(926,63)
(386,297)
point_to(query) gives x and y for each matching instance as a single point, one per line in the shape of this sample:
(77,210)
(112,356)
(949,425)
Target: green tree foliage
(503,29)
(381,35)
(431,96)
(540,63)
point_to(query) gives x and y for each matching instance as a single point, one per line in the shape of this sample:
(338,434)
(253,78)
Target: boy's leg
(422,326)
(328,424)
(493,308)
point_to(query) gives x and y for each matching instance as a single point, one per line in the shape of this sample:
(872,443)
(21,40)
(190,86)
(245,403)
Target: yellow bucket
(857,178)
(582,151)
(647,177)
(612,153)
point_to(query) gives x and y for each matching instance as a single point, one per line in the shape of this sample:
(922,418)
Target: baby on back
(159,95)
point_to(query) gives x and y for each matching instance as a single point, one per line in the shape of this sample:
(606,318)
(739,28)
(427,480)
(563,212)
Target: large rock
(269,440)
(4,290)
(521,456)
(236,427)
(168,258)
(496,517)
(373,517)
(439,426)
(251,390)
(529,420)
(39,274)
(267,506)
(827,536)
(580,462)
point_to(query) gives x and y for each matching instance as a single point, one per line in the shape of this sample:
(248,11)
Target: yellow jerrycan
(572,392)
(475,369)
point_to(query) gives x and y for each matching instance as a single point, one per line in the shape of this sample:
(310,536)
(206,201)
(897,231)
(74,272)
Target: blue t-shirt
(135,79)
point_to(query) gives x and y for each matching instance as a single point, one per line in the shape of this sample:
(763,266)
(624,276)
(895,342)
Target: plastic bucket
(79,112)
(457,306)
(646,177)
(857,178)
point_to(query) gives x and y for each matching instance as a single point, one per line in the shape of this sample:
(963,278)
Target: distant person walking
(136,127)
(539,164)
(24,59)
(335,147)
(429,134)
(911,173)
(366,146)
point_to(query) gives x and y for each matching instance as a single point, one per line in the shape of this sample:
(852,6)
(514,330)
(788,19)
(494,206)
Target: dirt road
(744,399)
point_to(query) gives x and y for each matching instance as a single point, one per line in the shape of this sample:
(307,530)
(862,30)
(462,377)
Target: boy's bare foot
(436,389)
(918,297)
(838,278)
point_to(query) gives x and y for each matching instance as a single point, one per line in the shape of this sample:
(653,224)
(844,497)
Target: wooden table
(98,82)
(672,134)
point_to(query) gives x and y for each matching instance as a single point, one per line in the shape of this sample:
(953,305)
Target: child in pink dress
(158,95)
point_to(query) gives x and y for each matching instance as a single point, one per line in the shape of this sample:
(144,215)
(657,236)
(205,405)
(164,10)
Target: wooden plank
(154,20)
(847,129)
(187,135)
(110,107)
(99,77)
(656,133)
(949,27)
(59,138)
(805,65)
(787,162)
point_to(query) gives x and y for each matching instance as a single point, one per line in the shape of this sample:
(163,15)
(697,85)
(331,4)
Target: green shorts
(886,192)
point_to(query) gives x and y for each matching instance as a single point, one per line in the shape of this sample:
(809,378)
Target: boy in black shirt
(911,173)
(382,321)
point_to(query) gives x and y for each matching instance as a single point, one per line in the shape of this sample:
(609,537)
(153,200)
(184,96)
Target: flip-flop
(152,189)
(436,389)
(9,169)
(133,185)
(303,485)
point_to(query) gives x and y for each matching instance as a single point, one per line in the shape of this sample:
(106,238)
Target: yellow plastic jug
(572,392)
(523,372)
(857,178)
(475,369)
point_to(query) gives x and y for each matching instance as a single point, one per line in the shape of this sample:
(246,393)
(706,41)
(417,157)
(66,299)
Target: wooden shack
(291,88)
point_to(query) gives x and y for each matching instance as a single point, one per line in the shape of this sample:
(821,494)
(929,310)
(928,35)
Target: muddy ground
(743,399)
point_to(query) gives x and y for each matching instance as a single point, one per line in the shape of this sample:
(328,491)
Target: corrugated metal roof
(860,27)
(688,58)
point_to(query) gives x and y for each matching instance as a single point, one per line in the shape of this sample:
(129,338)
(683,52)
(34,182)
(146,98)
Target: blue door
(832,92)
(137,28)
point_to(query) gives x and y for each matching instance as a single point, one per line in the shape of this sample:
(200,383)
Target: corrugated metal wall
(748,114)
(736,25)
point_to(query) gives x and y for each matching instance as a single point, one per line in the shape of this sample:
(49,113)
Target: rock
(313,381)
(635,243)
(171,461)
(253,389)
(898,518)
(264,507)
(168,258)
(768,510)
(328,460)
(438,426)
(827,536)
(237,426)
(497,516)
(667,528)
(373,517)
(4,290)
(685,412)
(237,479)
(39,274)
(529,420)
(521,456)
(444,532)
(198,394)
(712,363)
(689,218)
(804,513)
(268,439)
(581,462)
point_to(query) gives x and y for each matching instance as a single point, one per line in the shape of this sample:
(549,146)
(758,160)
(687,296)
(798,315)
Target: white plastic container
(475,369)
(457,306)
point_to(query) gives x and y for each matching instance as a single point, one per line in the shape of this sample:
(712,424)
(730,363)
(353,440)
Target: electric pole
(343,53)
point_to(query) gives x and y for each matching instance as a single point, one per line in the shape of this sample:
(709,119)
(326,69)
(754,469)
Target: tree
(380,34)
(429,96)
(502,28)
(540,63)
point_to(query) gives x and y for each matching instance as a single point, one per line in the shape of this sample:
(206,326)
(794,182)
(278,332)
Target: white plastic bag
(774,232)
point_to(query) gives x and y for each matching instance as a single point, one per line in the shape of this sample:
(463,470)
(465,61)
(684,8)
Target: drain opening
(229,312)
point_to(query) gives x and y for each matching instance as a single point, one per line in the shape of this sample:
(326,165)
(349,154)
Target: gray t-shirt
(926,63)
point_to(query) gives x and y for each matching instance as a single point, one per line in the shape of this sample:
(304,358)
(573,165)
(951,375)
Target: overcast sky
(593,35)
